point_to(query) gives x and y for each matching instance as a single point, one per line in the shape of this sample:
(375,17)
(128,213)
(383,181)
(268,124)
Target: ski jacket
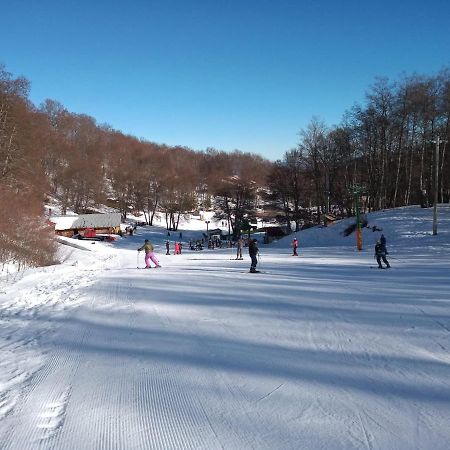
(295,243)
(148,247)
(252,248)
(380,250)
(383,243)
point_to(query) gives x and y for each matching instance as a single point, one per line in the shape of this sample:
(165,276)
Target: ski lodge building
(68,226)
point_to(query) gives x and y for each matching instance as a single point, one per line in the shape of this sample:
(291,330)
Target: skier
(380,254)
(294,246)
(167,248)
(253,251)
(383,242)
(149,255)
(239,245)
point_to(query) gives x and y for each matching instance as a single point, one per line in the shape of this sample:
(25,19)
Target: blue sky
(246,74)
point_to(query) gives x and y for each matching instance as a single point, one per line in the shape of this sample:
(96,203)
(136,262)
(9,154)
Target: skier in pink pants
(149,255)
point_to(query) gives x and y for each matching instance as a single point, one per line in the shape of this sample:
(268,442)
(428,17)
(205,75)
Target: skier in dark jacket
(383,242)
(380,254)
(253,252)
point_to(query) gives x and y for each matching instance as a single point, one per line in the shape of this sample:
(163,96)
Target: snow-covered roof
(86,221)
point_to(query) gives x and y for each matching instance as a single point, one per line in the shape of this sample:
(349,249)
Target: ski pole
(137,260)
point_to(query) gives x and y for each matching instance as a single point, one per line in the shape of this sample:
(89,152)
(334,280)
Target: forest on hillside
(387,146)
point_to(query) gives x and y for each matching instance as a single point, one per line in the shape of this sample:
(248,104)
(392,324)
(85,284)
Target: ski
(263,272)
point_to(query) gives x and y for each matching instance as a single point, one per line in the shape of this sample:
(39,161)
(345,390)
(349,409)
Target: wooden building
(328,220)
(69,226)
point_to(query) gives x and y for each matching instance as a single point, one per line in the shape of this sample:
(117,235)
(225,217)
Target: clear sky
(229,74)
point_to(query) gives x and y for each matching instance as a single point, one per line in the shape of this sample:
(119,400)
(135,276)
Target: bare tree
(314,146)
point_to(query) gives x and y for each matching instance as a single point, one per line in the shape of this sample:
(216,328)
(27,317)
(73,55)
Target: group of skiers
(178,246)
(150,255)
(380,252)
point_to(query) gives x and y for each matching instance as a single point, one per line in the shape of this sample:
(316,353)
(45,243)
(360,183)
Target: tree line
(385,145)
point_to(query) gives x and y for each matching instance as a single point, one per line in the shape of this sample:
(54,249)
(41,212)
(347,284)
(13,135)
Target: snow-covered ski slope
(318,352)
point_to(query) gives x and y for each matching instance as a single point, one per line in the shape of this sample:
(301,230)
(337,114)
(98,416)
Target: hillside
(410,225)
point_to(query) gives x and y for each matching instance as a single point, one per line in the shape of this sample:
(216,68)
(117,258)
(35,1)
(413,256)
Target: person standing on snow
(383,242)
(294,246)
(167,248)
(239,245)
(149,255)
(253,251)
(380,254)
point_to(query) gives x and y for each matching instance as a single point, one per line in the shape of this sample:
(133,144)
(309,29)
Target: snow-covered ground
(317,352)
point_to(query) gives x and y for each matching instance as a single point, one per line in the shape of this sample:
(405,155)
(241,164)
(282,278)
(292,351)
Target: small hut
(329,220)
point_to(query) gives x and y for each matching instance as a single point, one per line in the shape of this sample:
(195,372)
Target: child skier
(149,255)
(380,254)
(294,247)
(253,252)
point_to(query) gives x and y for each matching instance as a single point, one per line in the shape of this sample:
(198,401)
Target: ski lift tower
(436,183)
(357,191)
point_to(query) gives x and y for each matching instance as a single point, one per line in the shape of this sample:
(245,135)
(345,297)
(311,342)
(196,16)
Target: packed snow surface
(320,351)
